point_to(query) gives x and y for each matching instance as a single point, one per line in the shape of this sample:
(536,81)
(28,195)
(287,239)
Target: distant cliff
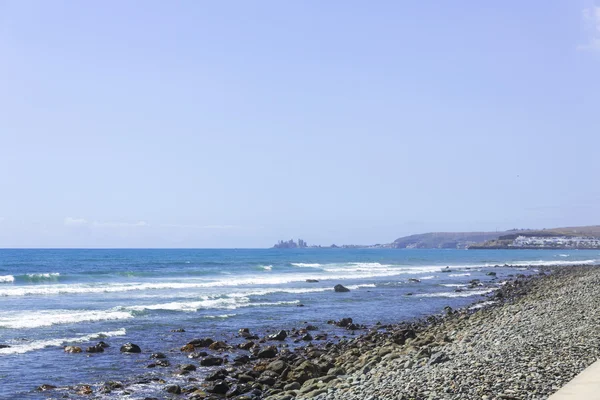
(445,240)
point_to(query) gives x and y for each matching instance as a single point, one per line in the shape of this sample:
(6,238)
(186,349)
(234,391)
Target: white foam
(222,316)
(306,265)
(427,277)
(453,284)
(564,255)
(41,344)
(457,275)
(456,294)
(7,279)
(266,267)
(49,275)
(193,306)
(36,319)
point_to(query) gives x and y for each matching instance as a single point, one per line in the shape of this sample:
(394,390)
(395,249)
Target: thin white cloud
(138,224)
(74,222)
(70,221)
(207,227)
(591,21)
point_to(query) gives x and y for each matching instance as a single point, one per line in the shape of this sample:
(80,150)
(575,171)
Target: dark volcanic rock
(218,346)
(340,288)
(179,330)
(4,346)
(344,322)
(218,375)
(95,349)
(218,387)
(307,337)
(281,335)
(201,342)
(267,352)
(130,348)
(187,367)
(312,281)
(157,356)
(45,387)
(174,389)
(241,360)
(211,361)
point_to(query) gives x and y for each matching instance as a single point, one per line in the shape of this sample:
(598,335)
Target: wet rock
(179,330)
(447,269)
(237,390)
(173,389)
(103,345)
(201,342)
(305,371)
(307,337)
(70,349)
(130,348)
(311,328)
(414,280)
(218,387)
(157,356)
(95,349)
(344,322)
(5,346)
(340,288)
(188,348)
(267,352)
(84,390)
(277,366)
(187,367)
(211,361)
(45,387)
(109,386)
(217,375)
(218,346)
(491,273)
(312,281)
(241,360)
(281,335)
(246,346)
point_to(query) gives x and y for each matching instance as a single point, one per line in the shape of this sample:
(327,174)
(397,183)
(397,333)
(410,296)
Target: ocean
(53,298)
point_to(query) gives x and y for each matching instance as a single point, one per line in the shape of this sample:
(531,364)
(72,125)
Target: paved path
(585,386)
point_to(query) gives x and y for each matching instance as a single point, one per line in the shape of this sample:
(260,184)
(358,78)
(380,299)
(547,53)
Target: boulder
(218,346)
(312,281)
(188,348)
(95,349)
(84,390)
(281,335)
(197,354)
(241,360)
(217,375)
(211,361)
(303,372)
(45,387)
(187,367)
(157,356)
(344,322)
(246,346)
(491,273)
(311,328)
(130,348)
(173,389)
(267,352)
(218,387)
(414,280)
(103,345)
(69,349)
(201,342)
(340,288)
(307,337)
(178,330)
(277,366)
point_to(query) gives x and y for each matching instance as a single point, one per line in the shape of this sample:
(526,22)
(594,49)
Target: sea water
(53,298)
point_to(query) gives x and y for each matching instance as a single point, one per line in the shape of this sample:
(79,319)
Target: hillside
(446,240)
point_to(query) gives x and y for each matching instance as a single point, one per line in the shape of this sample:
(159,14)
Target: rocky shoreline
(532,335)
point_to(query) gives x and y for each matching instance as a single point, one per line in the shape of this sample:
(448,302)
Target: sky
(238,123)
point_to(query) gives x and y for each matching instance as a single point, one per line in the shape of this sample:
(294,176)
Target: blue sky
(235,124)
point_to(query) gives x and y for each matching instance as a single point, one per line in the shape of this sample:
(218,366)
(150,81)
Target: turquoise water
(53,298)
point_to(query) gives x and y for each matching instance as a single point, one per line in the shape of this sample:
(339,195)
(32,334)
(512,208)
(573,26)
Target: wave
(306,265)
(36,319)
(266,267)
(193,306)
(42,276)
(457,275)
(456,294)
(222,316)
(453,284)
(41,344)
(7,279)
(427,277)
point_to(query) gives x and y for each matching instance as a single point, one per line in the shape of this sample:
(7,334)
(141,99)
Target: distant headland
(579,237)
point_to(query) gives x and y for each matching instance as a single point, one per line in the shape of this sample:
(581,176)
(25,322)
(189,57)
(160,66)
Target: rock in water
(4,346)
(267,352)
(340,288)
(69,349)
(211,361)
(130,348)
(45,387)
(95,349)
(281,335)
(175,389)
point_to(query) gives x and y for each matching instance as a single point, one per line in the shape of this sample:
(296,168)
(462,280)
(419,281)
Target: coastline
(510,347)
